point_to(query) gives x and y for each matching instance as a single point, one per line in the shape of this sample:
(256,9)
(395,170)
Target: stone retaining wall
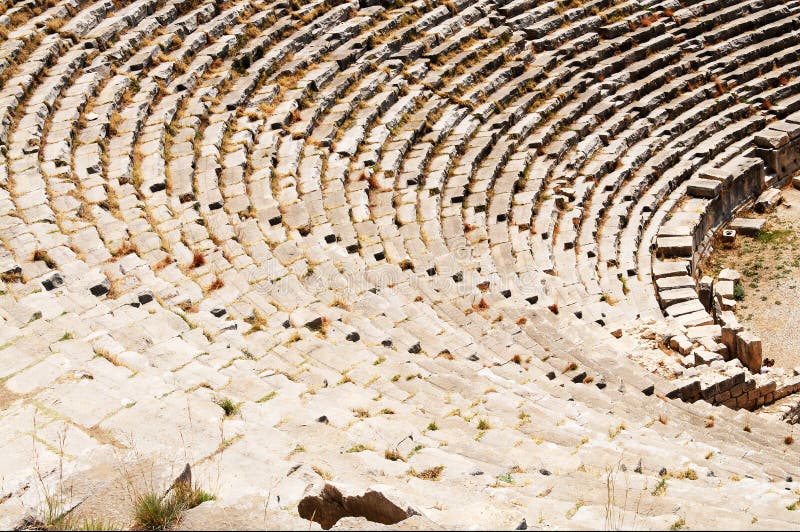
(739,390)
(741,181)
(715,195)
(779,146)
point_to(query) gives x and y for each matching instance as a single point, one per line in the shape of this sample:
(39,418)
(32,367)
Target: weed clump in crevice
(149,508)
(228,406)
(152,511)
(738,291)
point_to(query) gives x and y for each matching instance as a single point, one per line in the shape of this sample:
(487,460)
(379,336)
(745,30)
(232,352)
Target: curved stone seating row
(361,221)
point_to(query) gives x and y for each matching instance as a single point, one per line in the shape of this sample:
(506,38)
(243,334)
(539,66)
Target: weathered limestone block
(730,328)
(728,238)
(703,188)
(678,295)
(771,139)
(705,291)
(779,146)
(669,283)
(670,268)
(768,200)
(723,290)
(704,331)
(694,319)
(687,307)
(748,226)
(722,175)
(675,246)
(748,350)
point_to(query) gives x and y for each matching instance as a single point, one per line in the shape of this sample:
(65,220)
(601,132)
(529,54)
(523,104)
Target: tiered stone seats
(399,236)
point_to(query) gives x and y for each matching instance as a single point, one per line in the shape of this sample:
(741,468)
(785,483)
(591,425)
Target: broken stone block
(703,357)
(748,226)
(723,290)
(768,200)
(771,139)
(681,344)
(711,344)
(730,328)
(729,275)
(674,246)
(722,175)
(727,304)
(703,188)
(748,350)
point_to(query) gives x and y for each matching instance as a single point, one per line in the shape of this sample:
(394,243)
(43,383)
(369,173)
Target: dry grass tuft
(198,259)
(217,283)
(432,473)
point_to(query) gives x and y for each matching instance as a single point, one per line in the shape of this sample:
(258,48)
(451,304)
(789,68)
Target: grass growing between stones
(572,511)
(57,511)
(393,455)
(738,292)
(505,478)
(62,509)
(678,525)
(660,488)
(228,406)
(154,512)
(151,512)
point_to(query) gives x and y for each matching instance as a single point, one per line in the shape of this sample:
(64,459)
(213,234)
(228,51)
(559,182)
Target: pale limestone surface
(441,253)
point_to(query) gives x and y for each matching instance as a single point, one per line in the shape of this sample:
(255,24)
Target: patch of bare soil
(6,397)
(770,269)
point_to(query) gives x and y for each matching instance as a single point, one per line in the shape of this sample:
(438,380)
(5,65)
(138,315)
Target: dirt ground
(770,269)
